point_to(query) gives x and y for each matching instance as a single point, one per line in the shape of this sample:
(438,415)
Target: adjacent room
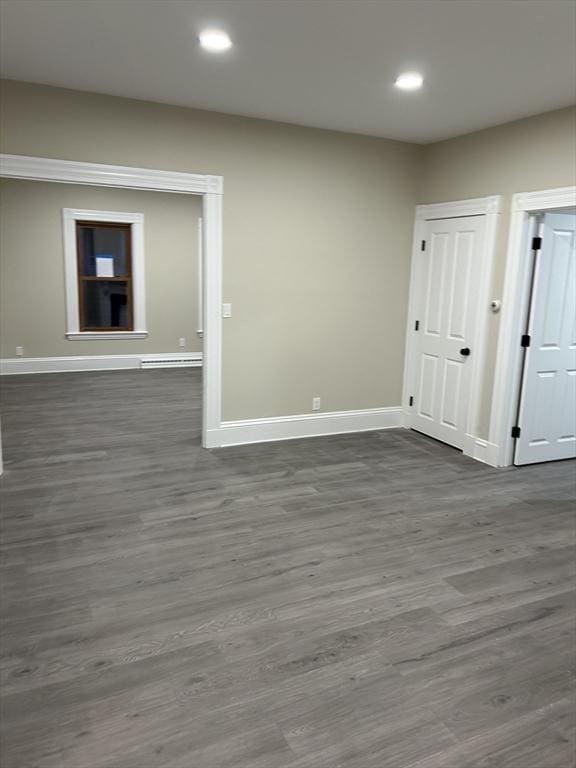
(287,383)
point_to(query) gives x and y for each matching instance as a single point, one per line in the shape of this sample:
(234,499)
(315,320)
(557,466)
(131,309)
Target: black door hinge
(417,325)
(423,245)
(536,243)
(515,432)
(411,401)
(525,340)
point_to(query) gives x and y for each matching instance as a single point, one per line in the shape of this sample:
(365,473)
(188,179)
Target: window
(104,256)
(104,276)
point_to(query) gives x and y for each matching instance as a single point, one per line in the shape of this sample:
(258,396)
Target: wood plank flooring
(363,601)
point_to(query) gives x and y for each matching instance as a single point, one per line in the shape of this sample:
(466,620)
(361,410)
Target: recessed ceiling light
(214,40)
(409,81)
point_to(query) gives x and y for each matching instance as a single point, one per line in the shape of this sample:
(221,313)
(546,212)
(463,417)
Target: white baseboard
(19,365)
(305,425)
(481,450)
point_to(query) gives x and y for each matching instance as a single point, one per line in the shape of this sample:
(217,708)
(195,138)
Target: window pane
(105,304)
(103,250)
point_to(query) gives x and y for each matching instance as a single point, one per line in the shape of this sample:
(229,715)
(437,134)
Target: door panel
(460,287)
(435,293)
(448,273)
(547,416)
(451,393)
(427,388)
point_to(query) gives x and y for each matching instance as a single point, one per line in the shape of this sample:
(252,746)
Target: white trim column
(212,336)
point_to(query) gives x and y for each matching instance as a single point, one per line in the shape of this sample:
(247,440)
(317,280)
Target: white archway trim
(515,301)
(211,188)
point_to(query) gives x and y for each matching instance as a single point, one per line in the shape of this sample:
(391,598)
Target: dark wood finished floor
(361,601)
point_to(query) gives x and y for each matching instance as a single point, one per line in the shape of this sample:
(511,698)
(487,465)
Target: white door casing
(526,207)
(547,412)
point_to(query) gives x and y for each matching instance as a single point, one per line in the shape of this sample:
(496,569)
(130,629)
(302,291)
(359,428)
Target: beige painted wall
(531,154)
(32,295)
(317,228)
(317,231)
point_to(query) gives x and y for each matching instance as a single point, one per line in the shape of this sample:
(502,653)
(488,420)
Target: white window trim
(69,218)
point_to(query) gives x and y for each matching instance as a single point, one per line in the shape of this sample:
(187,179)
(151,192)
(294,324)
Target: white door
(547,415)
(448,276)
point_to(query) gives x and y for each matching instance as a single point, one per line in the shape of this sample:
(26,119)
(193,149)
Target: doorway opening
(100,301)
(210,192)
(533,416)
(546,424)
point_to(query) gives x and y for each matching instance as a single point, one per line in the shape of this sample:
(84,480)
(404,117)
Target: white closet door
(448,275)
(547,417)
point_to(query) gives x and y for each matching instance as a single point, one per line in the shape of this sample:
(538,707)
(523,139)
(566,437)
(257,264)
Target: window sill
(106,335)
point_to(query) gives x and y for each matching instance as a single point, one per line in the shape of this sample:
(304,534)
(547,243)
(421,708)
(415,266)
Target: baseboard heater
(166,361)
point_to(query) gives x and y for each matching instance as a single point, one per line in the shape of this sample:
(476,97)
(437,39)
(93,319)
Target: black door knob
(465,351)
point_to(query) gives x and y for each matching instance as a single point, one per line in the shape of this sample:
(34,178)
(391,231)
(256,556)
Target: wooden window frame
(82,279)
(73,218)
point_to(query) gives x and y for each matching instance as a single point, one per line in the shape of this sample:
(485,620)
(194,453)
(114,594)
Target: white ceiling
(324,63)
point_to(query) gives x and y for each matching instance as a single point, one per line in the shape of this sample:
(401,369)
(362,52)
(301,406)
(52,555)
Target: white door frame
(153,180)
(515,302)
(491,208)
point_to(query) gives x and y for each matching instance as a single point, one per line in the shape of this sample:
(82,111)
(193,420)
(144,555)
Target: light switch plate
(226,310)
